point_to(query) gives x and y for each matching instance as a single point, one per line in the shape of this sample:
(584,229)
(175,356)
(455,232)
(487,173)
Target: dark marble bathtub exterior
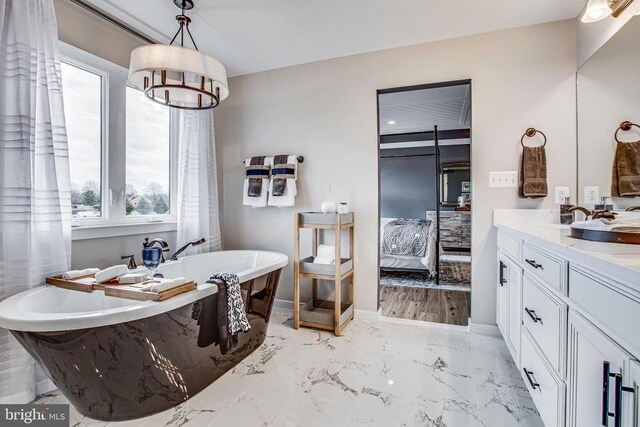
(137,368)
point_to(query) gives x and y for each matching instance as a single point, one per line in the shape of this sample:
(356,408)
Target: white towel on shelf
(256,202)
(111,273)
(288,199)
(164,284)
(326,255)
(79,273)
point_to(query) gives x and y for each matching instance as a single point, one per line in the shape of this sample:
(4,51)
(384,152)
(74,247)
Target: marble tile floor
(378,373)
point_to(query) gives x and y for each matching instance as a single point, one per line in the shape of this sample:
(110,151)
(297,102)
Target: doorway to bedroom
(425,202)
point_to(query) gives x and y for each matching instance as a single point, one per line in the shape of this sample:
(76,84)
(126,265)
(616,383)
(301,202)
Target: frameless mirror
(608,95)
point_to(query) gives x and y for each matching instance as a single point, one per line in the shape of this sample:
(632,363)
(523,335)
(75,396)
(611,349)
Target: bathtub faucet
(197,242)
(164,245)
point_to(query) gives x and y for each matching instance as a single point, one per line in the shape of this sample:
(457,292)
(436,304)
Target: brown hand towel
(625,180)
(533,173)
(279,184)
(255,184)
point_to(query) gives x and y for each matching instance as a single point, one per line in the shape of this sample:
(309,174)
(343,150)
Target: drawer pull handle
(529,374)
(617,414)
(533,315)
(534,264)
(503,266)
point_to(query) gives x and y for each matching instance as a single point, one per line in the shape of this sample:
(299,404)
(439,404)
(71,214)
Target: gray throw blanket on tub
(406,237)
(228,315)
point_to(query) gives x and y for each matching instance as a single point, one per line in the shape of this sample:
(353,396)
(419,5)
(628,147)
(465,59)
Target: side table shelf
(323,314)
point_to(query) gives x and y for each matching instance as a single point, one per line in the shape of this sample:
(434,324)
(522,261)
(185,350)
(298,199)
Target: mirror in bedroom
(609,95)
(425,202)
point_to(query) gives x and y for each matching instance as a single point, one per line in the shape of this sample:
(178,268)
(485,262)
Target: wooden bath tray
(130,292)
(82,283)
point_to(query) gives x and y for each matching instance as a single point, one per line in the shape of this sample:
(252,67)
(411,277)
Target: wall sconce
(598,10)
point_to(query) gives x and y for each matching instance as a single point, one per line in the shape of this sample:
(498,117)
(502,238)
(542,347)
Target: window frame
(114,221)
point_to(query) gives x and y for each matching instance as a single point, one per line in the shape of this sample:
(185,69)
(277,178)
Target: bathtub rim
(13,316)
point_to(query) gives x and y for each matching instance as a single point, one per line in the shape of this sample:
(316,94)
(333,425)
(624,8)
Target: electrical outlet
(561,194)
(591,195)
(503,179)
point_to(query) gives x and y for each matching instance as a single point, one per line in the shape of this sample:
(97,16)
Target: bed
(404,233)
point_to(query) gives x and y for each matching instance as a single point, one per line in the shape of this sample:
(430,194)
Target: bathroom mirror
(455,182)
(608,94)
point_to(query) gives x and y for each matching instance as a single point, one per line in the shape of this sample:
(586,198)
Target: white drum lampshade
(177,76)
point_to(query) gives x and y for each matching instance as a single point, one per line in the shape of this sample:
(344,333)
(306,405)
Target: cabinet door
(514,315)
(502,303)
(592,394)
(632,393)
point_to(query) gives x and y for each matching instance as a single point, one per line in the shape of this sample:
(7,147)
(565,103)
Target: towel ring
(531,132)
(624,126)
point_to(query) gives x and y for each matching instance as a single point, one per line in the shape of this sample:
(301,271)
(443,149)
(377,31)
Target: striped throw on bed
(406,237)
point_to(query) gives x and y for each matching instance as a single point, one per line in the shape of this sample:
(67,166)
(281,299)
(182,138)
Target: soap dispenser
(604,206)
(566,218)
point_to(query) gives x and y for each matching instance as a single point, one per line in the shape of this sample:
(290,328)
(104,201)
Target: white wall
(608,93)
(326,111)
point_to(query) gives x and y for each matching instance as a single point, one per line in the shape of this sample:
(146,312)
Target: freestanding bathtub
(117,359)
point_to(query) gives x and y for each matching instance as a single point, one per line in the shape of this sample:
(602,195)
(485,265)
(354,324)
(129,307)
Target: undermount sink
(629,238)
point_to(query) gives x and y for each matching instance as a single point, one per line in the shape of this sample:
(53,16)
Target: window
(83,113)
(121,151)
(148,151)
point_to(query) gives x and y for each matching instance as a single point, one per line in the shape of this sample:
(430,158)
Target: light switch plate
(561,194)
(591,195)
(503,179)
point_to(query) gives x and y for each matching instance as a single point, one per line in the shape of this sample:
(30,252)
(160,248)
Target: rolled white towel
(164,284)
(326,255)
(111,273)
(79,273)
(130,278)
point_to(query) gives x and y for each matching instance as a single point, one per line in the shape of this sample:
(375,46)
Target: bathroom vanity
(569,311)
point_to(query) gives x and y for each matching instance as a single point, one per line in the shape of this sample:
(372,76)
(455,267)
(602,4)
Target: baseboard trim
(366,314)
(482,329)
(283,304)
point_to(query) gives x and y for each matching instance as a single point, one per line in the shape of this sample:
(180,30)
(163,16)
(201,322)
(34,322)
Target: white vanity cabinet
(573,329)
(597,366)
(509,317)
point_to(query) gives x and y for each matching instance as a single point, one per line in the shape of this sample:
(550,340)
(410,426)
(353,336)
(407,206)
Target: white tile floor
(377,374)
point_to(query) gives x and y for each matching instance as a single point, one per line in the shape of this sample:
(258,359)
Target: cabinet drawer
(544,317)
(547,391)
(608,306)
(510,245)
(544,266)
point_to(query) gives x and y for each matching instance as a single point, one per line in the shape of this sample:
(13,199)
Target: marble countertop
(613,260)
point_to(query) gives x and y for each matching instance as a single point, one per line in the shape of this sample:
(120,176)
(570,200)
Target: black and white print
(235,306)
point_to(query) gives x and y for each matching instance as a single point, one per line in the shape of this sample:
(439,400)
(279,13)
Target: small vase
(328,206)
(343,208)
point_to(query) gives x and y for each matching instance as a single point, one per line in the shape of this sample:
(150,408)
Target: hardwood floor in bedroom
(431,305)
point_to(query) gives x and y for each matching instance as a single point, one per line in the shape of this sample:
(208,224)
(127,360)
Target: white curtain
(35,204)
(198,211)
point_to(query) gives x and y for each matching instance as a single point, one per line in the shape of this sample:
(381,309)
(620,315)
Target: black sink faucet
(164,245)
(197,242)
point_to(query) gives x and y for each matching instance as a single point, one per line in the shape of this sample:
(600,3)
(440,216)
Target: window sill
(118,230)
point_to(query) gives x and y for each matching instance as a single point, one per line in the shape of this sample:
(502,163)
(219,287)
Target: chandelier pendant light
(178,76)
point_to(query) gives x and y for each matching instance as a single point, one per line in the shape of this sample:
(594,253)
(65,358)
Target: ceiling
(448,107)
(257,35)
